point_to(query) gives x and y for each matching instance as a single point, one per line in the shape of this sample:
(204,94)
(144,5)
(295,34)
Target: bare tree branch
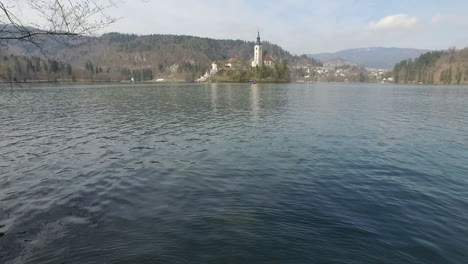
(57,18)
(27,35)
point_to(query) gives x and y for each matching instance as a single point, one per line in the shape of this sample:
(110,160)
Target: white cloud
(399,21)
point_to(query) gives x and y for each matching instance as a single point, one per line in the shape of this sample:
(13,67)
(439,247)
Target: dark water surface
(311,173)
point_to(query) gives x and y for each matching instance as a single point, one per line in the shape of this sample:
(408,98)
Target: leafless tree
(52,18)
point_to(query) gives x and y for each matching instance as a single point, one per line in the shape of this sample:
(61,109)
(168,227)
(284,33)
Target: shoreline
(3,83)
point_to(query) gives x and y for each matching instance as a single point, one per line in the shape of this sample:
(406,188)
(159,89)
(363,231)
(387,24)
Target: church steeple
(258,52)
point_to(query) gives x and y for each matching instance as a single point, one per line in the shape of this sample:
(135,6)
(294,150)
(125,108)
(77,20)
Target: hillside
(437,67)
(380,58)
(117,57)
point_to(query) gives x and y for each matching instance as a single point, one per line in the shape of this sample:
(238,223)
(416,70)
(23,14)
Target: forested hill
(436,67)
(116,57)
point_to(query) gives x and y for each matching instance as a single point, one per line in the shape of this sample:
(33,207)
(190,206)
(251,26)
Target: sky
(303,26)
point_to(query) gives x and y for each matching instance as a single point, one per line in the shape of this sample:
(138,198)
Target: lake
(234,173)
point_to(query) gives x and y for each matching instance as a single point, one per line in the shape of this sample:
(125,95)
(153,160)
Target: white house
(214,68)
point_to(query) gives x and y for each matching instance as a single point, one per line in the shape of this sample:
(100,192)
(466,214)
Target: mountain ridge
(371,57)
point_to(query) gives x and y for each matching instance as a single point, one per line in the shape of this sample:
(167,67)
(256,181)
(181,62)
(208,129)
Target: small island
(262,68)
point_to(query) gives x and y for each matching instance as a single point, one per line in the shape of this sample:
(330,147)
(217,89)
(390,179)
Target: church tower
(258,53)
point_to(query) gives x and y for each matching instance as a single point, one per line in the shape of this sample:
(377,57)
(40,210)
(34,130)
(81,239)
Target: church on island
(261,58)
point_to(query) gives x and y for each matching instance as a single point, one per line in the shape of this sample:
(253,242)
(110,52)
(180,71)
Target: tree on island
(278,73)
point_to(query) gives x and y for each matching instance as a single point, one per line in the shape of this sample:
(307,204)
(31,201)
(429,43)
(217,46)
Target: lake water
(296,173)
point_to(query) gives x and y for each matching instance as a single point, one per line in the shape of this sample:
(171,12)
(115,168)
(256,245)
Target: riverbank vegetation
(21,69)
(436,67)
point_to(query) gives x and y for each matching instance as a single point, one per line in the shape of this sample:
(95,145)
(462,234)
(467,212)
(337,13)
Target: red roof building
(268,60)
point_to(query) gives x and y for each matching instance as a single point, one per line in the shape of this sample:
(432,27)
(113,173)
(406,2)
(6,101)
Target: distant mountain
(381,58)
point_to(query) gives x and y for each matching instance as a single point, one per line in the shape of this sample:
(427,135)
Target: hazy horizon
(302,27)
(308,53)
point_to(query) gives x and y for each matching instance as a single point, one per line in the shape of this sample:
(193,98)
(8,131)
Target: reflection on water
(214,96)
(254,101)
(216,173)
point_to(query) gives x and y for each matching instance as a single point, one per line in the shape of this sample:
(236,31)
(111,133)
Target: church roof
(267,57)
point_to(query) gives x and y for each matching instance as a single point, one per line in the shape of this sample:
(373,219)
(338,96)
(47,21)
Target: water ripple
(320,173)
